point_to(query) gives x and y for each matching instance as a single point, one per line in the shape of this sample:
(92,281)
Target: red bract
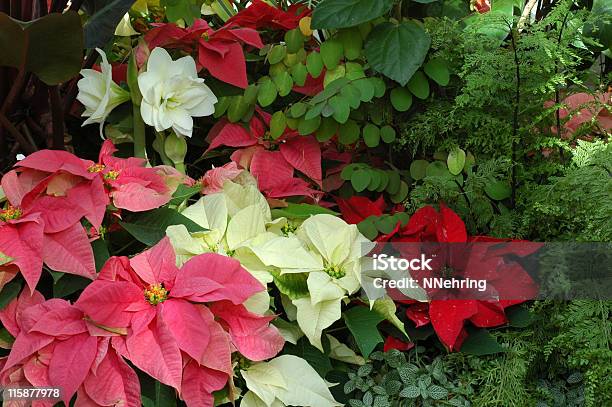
(171,334)
(219,51)
(260,14)
(393,343)
(273,169)
(358,208)
(53,347)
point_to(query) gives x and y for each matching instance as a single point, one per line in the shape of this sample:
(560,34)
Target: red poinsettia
(219,51)
(171,334)
(54,347)
(272,162)
(260,15)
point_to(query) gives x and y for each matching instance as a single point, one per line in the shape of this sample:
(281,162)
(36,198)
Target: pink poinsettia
(219,51)
(171,334)
(271,162)
(53,346)
(212,181)
(582,108)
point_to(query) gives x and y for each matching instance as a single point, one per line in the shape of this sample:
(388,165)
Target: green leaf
(387,133)
(333,74)
(418,169)
(294,40)
(298,109)
(278,124)
(401,99)
(277,54)
(480,342)
(438,71)
(368,228)
(394,182)
(300,211)
(327,129)
(68,284)
(347,13)
(6,339)
(299,72)
(101,253)
(267,92)
(315,111)
(437,169)
(456,161)
(309,126)
(100,27)
(184,192)
(50,47)
(341,107)
(437,392)
(519,316)
(283,82)
(401,194)
(498,190)
(419,85)
(410,392)
(347,171)
(363,325)
(238,108)
(352,43)
(397,50)
(366,87)
(150,227)
(314,64)
(331,52)
(371,135)
(379,86)
(155,394)
(360,179)
(186,10)
(315,358)
(349,132)
(293,285)
(9,292)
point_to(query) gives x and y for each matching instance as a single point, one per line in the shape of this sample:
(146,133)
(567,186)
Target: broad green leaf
(298,109)
(363,325)
(186,10)
(101,253)
(278,124)
(156,394)
(276,54)
(418,169)
(352,94)
(238,108)
(283,82)
(498,190)
(100,27)
(68,284)
(397,50)
(387,134)
(379,86)
(318,360)
(299,72)
(368,228)
(456,161)
(437,169)
(394,182)
(327,129)
(50,47)
(401,194)
(366,87)
(438,71)
(306,127)
(349,132)
(401,99)
(331,53)
(360,179)
(314,64)
(480,342)
(371,135)
(315,111)
(293,285)
(333,74)
(341,107)
(267,92)
(352,43)
(348,13)
(300,211)
(419,85)
(150,227)
(183,192)
(294,39)
(9,292)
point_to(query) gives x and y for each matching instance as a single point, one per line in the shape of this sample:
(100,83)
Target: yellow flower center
(10,213)
(288,228)
(155,294)
(111,175)
(334,271)
(96,168)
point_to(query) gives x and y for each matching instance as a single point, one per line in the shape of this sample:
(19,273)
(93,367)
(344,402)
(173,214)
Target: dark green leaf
(519,316)
(418,169)
(347,13)
(349,132)
(8,292)
(293,285)
(183,192)
(481,342)
(186,10)
(315,358)
(498,190)
(401,99)
(101,254)
(300,211)
(100,27)
(69,284)
(419,85)
(150,227)
(363,325)
(360,179)
(437,70)
(397,51)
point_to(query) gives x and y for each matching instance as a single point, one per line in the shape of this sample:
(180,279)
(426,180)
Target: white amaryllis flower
(98,93)
(172,93)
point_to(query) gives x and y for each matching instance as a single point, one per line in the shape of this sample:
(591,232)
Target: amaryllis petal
(252,334)
(69,251)
(156,265)
(155,351)
(448,318)
(70,363)
(304,154)
(185,322)
(237,284)
(105,302)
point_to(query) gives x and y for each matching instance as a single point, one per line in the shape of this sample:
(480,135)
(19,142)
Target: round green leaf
(418,169)
(360,179)
(315,111)
(470,160)
(437,169)
(267,92)
(379,86)
(401,194)
(366,88)
(314,64)
(371,135)
(331,52)
(347,171)
(401,99)
(384,181)
(374,180)
(333,74)
(352,95)
(394,182)
(277,54)
(294,40)
(419,85)
(455,161)
(397,50)
(438,71)
(368,228)
(278,124)
(277,69)
(348,133)
(284,83)
(306,127)
(498,190)
(327,129)
(352,43)
(237,109)
(298,109)
(221,106)
(299,72)
(387,134)
(341,108)
(250,94)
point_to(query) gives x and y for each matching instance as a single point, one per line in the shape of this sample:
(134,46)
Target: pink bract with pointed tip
(213,180)
(171,334)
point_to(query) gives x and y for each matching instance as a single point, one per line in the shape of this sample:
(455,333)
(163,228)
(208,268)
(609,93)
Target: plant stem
(6,123)
(57,118)
(140,139)
(515,117)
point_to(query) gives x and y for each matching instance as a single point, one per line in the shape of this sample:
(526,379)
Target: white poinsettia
(98,93)
(285,381)
(172,93)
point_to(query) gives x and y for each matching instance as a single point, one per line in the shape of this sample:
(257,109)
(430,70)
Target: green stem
(158,144)
(140,140)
